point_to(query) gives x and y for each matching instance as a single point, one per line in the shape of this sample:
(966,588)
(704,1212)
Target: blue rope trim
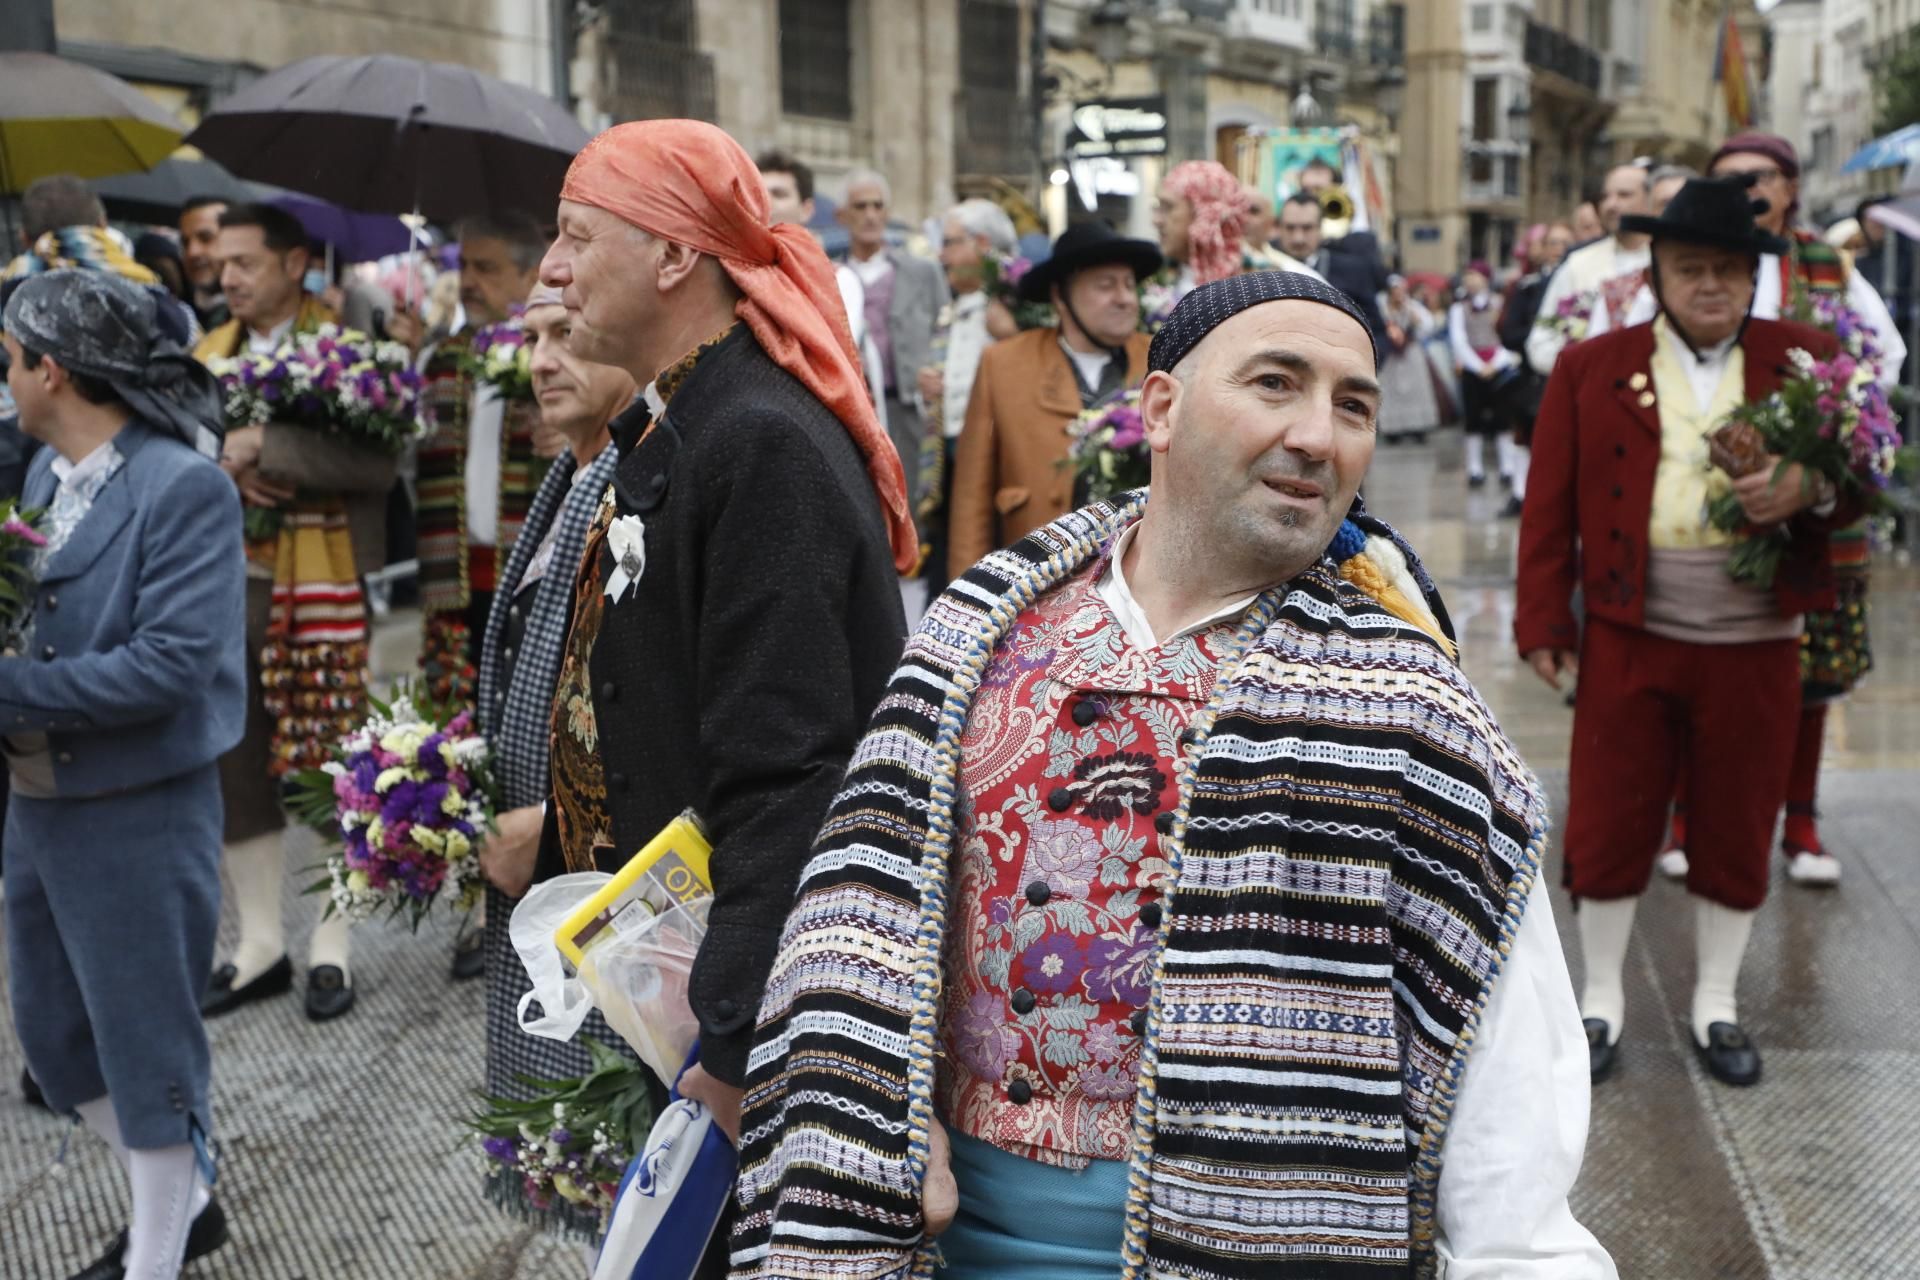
(1349,540)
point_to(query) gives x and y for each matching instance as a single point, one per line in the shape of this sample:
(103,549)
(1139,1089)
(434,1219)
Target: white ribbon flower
(627,539)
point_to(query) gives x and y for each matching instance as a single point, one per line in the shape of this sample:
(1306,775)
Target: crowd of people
(1062,849)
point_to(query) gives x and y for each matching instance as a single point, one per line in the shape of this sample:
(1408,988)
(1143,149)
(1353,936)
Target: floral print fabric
(1066,764)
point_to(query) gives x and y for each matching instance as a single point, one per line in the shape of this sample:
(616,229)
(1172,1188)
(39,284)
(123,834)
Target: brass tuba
(1335,203)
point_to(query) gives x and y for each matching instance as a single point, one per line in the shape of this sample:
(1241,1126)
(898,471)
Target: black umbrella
(156,195)
(388,134)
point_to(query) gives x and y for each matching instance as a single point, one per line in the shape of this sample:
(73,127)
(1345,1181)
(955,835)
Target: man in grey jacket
(123,686)
(904,295)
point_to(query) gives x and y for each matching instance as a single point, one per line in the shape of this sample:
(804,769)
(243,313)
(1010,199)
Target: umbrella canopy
(156,195)
(391,135)
(354,237)
(1888,151)
(59,116)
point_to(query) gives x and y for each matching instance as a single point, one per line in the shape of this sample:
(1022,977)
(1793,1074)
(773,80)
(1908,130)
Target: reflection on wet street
(1686,1178)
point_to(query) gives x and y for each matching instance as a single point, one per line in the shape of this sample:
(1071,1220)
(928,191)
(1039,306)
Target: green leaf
(1064,1051)
(1029,929)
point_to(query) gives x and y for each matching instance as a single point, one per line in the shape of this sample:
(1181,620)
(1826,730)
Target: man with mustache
(1010,472)
(1179,913)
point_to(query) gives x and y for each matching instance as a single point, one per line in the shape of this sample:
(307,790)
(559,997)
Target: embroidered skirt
(1834,649)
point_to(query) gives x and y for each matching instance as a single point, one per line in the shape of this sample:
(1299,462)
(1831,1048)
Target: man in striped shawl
(1177,916)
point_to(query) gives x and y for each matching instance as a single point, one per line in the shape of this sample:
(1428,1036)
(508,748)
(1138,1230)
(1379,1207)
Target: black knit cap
(1212,305)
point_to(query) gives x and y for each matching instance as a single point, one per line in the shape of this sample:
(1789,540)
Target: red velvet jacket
(1590,489)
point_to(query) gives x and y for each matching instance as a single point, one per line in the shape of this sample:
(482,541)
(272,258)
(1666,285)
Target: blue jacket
(138,669)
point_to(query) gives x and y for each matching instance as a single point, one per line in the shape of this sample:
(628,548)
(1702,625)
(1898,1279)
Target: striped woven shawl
(1354,845)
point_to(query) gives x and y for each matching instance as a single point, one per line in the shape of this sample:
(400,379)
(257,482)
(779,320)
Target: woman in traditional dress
(1408,407)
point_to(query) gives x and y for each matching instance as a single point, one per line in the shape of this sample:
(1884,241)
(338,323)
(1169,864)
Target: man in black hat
(1238,964)
(1681,669)
(1009,473)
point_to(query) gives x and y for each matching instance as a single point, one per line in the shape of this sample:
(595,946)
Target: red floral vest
(1066,774)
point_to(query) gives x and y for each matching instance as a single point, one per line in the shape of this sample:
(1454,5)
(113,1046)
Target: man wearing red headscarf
(1201,215)
(736,614)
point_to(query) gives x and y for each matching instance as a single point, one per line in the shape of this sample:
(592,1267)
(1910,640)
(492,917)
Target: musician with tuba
(1351,265)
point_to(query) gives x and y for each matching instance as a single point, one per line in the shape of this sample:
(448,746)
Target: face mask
(315,281)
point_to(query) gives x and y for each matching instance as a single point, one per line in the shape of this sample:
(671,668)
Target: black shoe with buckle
(1730,1056)
(328,995)
(469,955)
(221,996)
(208,1232)
(1602,1052)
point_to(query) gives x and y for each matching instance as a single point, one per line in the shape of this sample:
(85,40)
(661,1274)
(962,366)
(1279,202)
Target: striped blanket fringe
(1353,849)
(313,668)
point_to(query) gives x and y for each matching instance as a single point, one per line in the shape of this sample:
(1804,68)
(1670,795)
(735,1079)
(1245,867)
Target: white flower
(627,540)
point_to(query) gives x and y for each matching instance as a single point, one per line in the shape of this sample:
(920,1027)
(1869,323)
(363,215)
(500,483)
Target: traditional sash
(313,667)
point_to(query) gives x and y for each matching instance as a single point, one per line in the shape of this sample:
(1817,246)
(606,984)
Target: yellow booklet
(672,869)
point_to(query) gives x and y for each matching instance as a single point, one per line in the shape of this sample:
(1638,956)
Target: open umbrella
(59,116)
(348,236)
(1888,151)
(156,195)
(395,135)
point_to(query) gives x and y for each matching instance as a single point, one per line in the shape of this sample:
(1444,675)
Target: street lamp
(1110,31)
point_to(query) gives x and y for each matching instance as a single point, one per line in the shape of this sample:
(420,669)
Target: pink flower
(18,528)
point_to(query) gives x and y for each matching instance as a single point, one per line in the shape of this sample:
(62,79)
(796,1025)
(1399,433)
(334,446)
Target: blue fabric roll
(1019,1217)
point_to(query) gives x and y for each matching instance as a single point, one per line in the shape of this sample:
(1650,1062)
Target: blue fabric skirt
(1035,1221)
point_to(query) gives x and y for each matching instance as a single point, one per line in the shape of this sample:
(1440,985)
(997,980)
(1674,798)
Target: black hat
(1087,244)
(1710,211)
(1212,305)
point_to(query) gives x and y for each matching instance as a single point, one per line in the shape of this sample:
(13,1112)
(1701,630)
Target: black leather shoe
(328,995)
(469,955)
(208,1232)
(1601,1054)
(1513,509)
(1730,1057)
(1476,482)
(221,996)
(30,1090)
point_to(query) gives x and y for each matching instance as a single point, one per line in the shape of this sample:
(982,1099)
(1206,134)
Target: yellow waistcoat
(1686,478)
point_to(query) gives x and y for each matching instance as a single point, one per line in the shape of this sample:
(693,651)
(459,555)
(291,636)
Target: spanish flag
(1730,69)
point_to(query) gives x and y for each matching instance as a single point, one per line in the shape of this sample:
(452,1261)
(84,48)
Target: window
(1600,25)
(993,131)
(1510,175)
(1486,105)
(1480,167)
(1481,18)
(816,58)
(1335,27)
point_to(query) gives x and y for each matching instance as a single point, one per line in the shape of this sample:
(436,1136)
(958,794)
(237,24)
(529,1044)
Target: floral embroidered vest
(1068,792)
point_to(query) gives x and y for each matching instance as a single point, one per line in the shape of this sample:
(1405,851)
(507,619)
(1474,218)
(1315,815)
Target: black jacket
(737,678)
(1353,267)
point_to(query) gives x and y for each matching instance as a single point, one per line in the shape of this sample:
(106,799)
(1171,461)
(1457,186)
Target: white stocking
(332,944)
(1476,455)
(1719,942)
(167,1196)
(1522,461)
(98,1116)
(256,869)
(1503,450)
(1605,928)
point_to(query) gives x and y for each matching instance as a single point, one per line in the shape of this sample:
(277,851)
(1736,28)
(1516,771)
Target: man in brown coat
(1010,472)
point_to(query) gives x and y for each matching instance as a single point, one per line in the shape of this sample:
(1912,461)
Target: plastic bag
(638,980)
(564,1001)
(684,1178)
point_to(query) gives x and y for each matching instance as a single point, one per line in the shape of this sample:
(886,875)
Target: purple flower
(1064,853)
(502,1149)
(980,1038)
(1121,971)
(1054,964)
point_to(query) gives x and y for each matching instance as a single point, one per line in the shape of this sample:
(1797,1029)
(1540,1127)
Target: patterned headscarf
(1219,206)
(690,183)
(1210,306)
(105,327)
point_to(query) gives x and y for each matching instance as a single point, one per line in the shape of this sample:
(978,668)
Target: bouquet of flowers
(1830,417)
(1569,318)
(332,379)
(19,539)
(564,1150)
(1001,278)
(409,797)
(501,356)
(1109,452)
(1157,301)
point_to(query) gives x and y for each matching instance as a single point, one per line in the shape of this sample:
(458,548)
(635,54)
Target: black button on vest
(1059,799)
(1163,822)
(1023,1001)
(609,692)
(1138,1022)
(1019,1093)
(1150,915)
(1038,893)
(1085,712)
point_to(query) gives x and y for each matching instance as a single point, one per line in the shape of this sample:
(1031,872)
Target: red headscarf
(1219,214)
(690,183)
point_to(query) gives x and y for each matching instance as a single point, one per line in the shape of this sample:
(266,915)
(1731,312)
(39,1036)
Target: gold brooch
(1646,399)
(1638,382)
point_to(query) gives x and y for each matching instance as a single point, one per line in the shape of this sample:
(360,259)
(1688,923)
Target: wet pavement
(343,1156)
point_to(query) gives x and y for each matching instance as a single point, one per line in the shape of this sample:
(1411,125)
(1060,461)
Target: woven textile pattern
(1354,843)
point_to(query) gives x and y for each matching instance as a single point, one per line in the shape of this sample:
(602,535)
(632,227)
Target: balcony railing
(1549,50)
(651,80)
(993,133)
(1387,35)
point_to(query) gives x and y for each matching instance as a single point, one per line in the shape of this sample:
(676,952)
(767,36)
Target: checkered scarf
(517,725)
